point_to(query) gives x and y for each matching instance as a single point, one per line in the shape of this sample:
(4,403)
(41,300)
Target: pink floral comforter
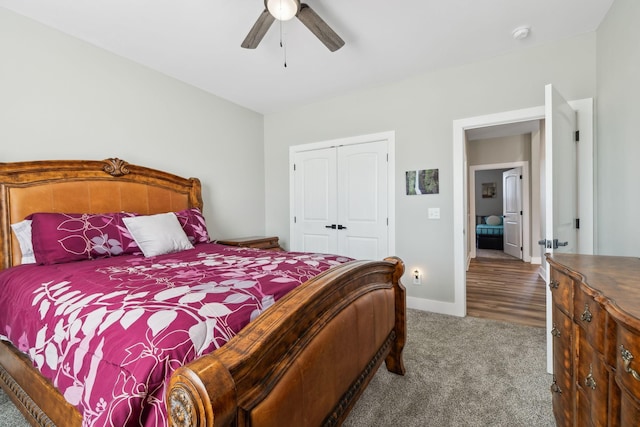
(110,332)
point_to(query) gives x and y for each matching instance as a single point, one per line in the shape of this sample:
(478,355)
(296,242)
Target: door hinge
(520,248)
(520,176)
(387,157)
(577,136)
(577,223)
(295,219)
(520,213)
(294,167)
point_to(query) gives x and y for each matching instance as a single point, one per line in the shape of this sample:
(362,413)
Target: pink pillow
(59,238)
(193,224)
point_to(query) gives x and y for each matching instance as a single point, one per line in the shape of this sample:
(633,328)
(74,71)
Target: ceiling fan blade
(320,28)
(258,30)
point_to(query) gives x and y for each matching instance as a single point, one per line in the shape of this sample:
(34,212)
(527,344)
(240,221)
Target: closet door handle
(341,227)
(330,226)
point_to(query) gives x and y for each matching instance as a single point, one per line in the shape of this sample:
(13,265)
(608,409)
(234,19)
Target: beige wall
(421,111)
(489,205)
(61,98)
(506,149)
(618,143)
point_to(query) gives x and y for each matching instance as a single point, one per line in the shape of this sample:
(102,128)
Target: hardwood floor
(508,290)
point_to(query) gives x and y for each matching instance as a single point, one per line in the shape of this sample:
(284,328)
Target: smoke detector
(521,33)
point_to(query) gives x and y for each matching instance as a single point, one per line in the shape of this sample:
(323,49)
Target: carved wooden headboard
(79,186)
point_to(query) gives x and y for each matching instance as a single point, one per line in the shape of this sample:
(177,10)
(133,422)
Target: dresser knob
(627,357)
(555,388)
(586,314)
(589,381)
(554,284)
(555,331)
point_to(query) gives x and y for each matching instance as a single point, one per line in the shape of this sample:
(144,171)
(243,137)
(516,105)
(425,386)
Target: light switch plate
(434,213)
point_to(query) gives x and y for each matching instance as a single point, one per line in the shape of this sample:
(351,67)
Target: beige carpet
(461,372)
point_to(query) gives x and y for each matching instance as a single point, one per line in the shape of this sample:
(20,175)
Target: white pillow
(494,220)
(22,231)
(158,234)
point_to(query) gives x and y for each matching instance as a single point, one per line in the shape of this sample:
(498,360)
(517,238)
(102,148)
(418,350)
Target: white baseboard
(536,260)
(434,306)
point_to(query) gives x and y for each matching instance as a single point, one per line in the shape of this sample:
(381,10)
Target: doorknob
(341,227)
(556,243)
(330,226)
(545,243)
(552,243)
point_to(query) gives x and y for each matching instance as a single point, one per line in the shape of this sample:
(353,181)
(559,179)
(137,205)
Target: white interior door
(560,186)
(362,200)
(512,211)
(315,201)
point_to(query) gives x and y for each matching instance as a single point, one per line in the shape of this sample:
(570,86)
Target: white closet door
(315,201)
(362,200)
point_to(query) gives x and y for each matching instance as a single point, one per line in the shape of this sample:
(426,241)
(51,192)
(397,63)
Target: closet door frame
(389,137)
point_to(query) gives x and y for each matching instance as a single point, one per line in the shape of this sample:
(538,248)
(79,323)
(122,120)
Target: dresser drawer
(562,406)
(562,350)
(561,287)
(590,317)
(628,361)
(629,410)
(583,410)
(592,381)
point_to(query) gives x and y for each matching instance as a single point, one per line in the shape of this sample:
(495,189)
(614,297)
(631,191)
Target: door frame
(586,178)
(526,208)
(390,137)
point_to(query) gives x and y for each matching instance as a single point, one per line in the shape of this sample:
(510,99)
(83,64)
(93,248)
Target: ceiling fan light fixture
(283,10)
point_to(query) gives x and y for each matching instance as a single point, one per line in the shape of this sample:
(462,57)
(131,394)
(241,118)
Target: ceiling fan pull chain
(285,56)
(283,46)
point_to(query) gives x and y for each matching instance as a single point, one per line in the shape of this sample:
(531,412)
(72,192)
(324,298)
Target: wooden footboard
(304,361)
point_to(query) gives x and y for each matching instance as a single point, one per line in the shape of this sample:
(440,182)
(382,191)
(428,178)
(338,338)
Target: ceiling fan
(284,10)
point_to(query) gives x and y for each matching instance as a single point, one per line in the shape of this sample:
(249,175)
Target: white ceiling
(198,41)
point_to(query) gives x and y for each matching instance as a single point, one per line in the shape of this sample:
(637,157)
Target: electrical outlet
(416,277)
(434,213)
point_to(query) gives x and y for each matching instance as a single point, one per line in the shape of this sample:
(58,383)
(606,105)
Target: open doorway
(585,178)
(491,230)
(505,157)
(499,284)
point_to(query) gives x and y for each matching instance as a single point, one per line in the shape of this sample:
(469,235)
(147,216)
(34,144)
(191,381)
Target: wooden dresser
(596,344)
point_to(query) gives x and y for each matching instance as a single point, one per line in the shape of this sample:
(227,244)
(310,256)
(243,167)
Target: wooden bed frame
(304,361)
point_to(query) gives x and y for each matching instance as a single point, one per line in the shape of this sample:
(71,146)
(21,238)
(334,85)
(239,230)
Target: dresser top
(616,278)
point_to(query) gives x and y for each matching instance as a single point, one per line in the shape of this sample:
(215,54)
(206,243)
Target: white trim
(586,176)
(390,137)
(432,306)
(526,206)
